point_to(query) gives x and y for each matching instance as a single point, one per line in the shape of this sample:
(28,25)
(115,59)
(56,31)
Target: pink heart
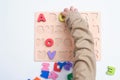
(51,55)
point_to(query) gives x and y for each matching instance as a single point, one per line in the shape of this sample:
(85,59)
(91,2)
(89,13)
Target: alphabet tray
(52,40)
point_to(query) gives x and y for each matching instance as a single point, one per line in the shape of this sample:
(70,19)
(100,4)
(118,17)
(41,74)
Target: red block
(41,17)
(56,67)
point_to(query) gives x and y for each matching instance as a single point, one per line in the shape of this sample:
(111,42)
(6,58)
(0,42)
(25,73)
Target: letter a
(41,18)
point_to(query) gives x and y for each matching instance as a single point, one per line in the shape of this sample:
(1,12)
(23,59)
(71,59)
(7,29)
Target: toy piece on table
(70,76)
(61,64)
(53,75)
(45,66)
(36,78)
(67,66)
(56,67)
(111,70)
(44,74)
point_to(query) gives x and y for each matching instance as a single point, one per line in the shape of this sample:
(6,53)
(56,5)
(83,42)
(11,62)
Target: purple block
(68,66)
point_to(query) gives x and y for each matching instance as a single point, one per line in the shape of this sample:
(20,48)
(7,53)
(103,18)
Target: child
(85,63)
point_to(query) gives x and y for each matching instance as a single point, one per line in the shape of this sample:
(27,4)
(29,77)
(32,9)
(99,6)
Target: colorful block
(70,76)
(49,42)
(53,75)
(68,66)
(36,78)
(51,55)
(44,74)
(45,66)
(111,70)
(61,64)
(41,18)
(56,67)
(61,18)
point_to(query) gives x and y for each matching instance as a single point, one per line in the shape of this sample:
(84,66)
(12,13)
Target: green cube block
(111,70)
(70,76)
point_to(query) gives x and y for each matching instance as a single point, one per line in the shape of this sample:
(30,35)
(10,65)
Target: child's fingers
(71,8)
(64,13)
(66,9)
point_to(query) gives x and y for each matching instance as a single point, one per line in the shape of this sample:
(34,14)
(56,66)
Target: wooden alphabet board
(52,40)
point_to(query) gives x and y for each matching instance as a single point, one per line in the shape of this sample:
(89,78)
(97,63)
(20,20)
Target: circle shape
(49,42)
(61,18)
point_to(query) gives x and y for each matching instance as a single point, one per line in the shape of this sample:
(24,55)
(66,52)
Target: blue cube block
(44,74)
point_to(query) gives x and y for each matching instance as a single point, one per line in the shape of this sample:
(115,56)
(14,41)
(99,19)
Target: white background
(17,35)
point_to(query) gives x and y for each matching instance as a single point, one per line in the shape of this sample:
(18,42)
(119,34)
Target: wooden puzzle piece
(45,66)
(41,18)
(49,42)
(53,75)
(68,66)
(61,18)
(51,55)
(111,70)
(44,74)
(36,78)
(70,76)
(48,25)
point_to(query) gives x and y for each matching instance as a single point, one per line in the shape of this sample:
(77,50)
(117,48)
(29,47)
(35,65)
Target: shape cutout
(41,18)
(53,75)
(111,70)
(51,55)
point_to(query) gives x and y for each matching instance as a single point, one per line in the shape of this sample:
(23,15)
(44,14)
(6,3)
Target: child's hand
(67,11)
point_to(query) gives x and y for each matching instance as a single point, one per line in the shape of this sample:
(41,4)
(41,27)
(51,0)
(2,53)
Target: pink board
(62,45)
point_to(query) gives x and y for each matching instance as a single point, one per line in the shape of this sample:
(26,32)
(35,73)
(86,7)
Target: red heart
(56,67)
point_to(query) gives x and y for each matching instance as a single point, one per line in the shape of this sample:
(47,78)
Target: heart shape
(51,55)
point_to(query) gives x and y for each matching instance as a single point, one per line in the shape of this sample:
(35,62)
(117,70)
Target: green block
(70,76)
(111,70)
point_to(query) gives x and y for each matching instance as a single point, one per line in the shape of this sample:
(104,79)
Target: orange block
(36,78)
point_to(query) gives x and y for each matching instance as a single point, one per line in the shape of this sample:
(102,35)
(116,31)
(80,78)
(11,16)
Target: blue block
(61,64)
(44,74)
